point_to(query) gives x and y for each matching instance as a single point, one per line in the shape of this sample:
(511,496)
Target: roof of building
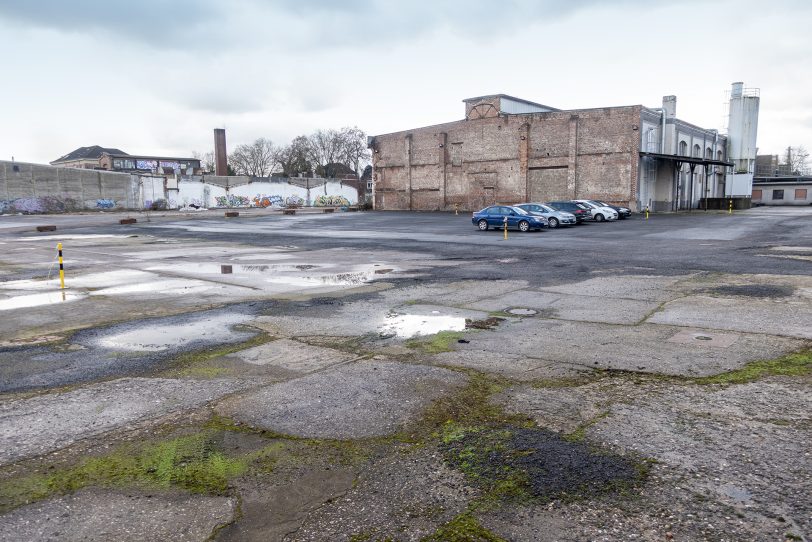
(88,153)
(509,97)
(142,157)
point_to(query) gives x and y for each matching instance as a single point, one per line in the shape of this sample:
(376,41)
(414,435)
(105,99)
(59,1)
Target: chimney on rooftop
(220,154)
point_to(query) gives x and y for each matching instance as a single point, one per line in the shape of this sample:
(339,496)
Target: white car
(599,213)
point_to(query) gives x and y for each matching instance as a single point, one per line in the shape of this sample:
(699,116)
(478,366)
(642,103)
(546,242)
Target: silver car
(554,217)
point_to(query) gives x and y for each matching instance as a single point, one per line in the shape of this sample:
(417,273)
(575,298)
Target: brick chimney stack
(220,154)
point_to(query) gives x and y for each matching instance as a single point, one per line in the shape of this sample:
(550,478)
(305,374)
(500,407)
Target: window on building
(756,193)
(456,154)
(697,151)
(683,148)
(800,193)
(719,155)
(369,185)
(709,153)
(778,194)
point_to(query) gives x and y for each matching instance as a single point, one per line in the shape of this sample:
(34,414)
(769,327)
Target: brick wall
(589,153)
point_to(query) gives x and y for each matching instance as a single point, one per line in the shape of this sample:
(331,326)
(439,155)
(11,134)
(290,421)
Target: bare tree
(296,157)
(325,149)
(796,160)
(259,159)
(206,160)
(354,151)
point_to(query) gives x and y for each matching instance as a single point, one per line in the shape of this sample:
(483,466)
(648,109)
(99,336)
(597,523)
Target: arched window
(719,155)
(697,151)
(709,153)
(683,148)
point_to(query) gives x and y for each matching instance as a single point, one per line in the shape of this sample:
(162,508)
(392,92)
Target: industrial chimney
(220,154)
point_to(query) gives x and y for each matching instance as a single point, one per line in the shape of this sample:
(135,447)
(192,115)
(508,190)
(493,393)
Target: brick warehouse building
(509,150)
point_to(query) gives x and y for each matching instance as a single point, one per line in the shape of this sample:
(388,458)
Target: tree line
(324,153)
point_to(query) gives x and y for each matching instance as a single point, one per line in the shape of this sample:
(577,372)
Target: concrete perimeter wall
(34,188)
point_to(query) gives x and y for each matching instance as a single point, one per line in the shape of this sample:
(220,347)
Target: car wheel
(482,225)
(524,226)
(599,218)
(553,223)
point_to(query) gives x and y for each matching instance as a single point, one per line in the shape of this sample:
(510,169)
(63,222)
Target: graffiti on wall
(105,204)
(328,201)
(261,200)
(232,201)
(45,204)
(294,201)
(146,164)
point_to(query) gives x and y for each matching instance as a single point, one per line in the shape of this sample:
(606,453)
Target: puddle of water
(71,237)
(413,325)
(523,312)
(164,287)
(736,493)
(37,300)
(93,280)
(155,338)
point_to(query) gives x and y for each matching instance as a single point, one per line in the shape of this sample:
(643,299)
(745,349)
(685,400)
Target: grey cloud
(151,21)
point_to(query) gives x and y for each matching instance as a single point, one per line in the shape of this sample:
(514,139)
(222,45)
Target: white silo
(742,130)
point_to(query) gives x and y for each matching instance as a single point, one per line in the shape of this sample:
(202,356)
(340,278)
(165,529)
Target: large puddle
(37,300)
(413,325)
(159,336)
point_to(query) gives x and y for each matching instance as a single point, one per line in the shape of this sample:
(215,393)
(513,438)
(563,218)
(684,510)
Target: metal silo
(741,140)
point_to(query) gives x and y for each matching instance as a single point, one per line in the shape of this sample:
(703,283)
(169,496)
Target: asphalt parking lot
(404,376)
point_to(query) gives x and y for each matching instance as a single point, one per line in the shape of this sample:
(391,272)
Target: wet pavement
(643,380)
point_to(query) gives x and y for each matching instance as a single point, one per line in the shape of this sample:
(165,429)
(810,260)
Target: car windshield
(519,210)
(546,209)
(582,206)
(602,203)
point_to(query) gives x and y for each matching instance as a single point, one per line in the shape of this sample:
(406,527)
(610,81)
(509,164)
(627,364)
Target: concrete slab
(350,401)
(640,287)
(791,318)
(519,298)
(643,348)
(292,355)
(105,515)
(41,424)
(513,366)
(715,340)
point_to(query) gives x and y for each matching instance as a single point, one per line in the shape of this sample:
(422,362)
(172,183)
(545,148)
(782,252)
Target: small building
(782,191)
(85,157)
(508,150)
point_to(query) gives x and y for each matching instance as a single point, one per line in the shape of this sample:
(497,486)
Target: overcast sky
(155,77)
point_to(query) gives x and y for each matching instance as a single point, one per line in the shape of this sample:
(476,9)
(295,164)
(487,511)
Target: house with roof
(85,157)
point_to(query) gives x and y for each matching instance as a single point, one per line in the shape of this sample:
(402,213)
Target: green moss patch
(199,363)
(463,528)
(193,463)
(797,364)
(437,343)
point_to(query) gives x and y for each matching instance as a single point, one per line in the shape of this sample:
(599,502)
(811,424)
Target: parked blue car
(495,215)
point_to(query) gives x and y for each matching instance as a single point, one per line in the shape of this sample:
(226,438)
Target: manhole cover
(703,338)
(522,312)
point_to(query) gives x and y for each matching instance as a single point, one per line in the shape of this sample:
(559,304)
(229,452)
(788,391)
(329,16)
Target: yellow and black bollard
(730,207)
(456,209)
(61,267)
(505,221)
(646,212)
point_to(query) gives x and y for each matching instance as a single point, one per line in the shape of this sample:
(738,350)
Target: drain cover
(519,311)
(702,338)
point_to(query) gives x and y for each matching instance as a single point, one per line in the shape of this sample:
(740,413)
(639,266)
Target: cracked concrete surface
(318,406)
